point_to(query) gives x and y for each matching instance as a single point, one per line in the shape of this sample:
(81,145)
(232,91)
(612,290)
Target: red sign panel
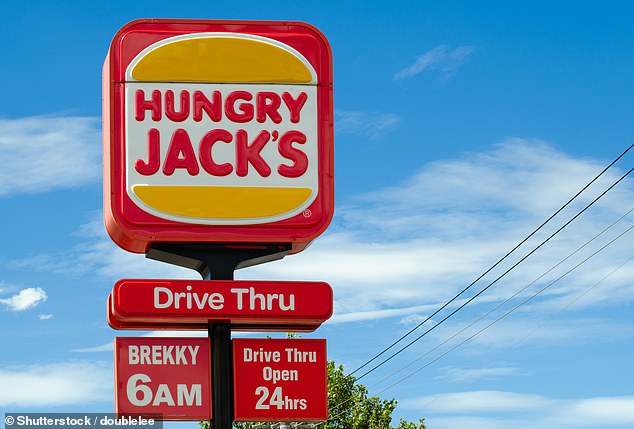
(280,380)
(279,306)
(217,131)
(163,376)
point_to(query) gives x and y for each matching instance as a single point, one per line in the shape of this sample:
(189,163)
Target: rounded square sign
(217,132)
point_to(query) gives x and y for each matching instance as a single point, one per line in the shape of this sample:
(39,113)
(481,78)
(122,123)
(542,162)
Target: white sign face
(209,142)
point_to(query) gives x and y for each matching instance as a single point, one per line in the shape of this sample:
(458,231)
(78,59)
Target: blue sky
(459,128)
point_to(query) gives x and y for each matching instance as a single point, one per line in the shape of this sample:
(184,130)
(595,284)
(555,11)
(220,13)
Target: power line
(538,327)
(490,269)
(513,296)
(506,300)
(508,312)
(496,280)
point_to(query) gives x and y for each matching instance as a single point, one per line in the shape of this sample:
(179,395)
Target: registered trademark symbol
(307,213)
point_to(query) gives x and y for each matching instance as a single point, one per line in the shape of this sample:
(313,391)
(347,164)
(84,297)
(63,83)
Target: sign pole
(221,369)
(221,361)
(219,262)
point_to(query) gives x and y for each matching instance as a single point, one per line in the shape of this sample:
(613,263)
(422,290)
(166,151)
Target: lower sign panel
(169,377)
(280,380)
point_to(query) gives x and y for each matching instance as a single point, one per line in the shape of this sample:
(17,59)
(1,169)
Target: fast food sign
(246,305)
(217,131)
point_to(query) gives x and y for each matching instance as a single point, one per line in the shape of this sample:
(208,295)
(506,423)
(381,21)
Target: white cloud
(405,249)
(357,316)
(43,153)
(98,254)
(372,125)
(109,346)
(521,410)
(478,402)
(414,245)
(607,410)
(55,384)
(423,240)
(106,347)
(461,375)
(44,316)
(441,58)
(25,299)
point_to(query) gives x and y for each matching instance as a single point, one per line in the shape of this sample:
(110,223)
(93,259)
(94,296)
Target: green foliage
(403,424)
(349,407)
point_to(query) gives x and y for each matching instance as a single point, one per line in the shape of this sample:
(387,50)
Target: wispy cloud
(43,153)
(424,239)
(55,384)
(441,59)
(109,346)
(406,248)
(372,125)
(97,253)
(25,299)
(522,410)
(106,347)
(461,375)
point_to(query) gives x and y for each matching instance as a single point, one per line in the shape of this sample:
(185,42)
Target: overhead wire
(538,327)
(530,298)
(509,312)
(607,228)
(445,305)
(507,300)
(497,279)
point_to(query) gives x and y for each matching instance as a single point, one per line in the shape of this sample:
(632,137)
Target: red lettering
(267,104)
(237,106)
(294,105)
(213,107)
(141,105)
(204,152)
(288,151)
(245,110)
(154,154)
(170,108)
(180,154)
(250,153)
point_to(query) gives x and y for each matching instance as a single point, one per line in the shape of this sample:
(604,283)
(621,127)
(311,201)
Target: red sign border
(133,229)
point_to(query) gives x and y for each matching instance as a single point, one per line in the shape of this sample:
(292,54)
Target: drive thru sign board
(193,304)
(163,376)
(217,132)
(280,380)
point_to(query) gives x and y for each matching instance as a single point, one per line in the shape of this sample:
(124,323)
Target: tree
(350,408)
